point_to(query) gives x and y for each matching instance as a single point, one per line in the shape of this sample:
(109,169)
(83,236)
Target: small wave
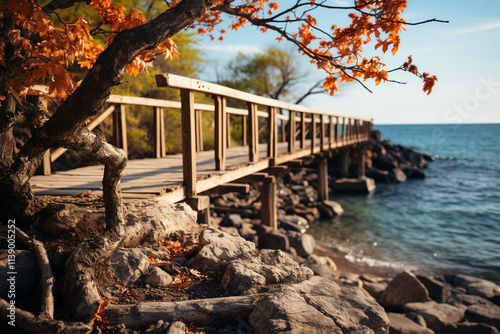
(442,157)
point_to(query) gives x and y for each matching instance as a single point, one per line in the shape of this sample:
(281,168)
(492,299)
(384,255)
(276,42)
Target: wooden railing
(306,130)
(335,130)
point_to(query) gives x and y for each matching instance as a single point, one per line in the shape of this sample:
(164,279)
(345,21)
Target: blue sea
(446,223)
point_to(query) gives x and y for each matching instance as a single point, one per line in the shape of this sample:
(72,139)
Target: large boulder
(329,209)
(218,248)
(404,288)
(245,276)
(318,305)
(400,324)
(437,315)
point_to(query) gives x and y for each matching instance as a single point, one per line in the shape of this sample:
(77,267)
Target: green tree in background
(275,73)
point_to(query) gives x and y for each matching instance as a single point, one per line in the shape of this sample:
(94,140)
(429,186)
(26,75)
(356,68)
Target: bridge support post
(323,179)
(200,204)
(344,164)
(361,164)
(269,210)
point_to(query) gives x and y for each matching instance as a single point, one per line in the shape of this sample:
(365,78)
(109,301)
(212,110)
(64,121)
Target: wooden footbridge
(304,132)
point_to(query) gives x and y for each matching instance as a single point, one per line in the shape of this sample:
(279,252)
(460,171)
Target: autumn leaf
(181,281)
(99,315)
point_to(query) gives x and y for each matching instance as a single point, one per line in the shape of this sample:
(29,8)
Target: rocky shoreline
(172,275)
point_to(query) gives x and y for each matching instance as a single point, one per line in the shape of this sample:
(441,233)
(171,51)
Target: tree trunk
(7,142)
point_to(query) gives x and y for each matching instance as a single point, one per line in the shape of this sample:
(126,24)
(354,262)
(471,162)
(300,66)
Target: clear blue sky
(464,54)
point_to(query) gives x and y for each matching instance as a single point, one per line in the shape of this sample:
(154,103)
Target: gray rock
(488,314)
(121,329)
(322,266)
(293,223)
(269,267)
(395,175)
(477,286)
(400,324)
(177,327)
(329,209)
(303,243)
(376,288)
(27,273)
(467,300)
(159,328)
(158,278)
(384,163)
(437,289)
(232,220)
(218,248)
(230,230)
(436,315)
(469,328)
(247,231)
(404,288)
(351,280)
(318,305)
(129,264)
(363,185)
(274,240)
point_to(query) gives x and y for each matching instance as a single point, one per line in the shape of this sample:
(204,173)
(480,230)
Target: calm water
(449,222)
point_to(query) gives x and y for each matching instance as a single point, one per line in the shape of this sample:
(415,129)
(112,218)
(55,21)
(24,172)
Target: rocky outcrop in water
(392,163)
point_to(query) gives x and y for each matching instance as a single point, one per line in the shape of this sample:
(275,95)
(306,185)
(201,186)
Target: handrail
(177,81)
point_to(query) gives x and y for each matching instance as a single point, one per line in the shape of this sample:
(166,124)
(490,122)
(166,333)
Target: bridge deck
(164,176)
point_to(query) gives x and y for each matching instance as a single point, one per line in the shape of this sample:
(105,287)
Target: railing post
(220,132)
(273,135)
(337,130)
(330,133)
(199,130)
(188,142)
(313,132)
(322,132)
(302,130)
(344,130)
(120,128)
(159,135)
(291,132)
(228,130)
(244,130)
(253,127)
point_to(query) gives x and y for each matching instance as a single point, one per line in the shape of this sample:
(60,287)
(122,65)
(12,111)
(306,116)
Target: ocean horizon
(446,223)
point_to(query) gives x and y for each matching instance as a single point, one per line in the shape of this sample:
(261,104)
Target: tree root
(45,322)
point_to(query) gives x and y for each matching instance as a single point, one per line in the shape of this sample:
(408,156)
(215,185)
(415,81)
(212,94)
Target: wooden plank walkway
(310,132)
(145,178)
